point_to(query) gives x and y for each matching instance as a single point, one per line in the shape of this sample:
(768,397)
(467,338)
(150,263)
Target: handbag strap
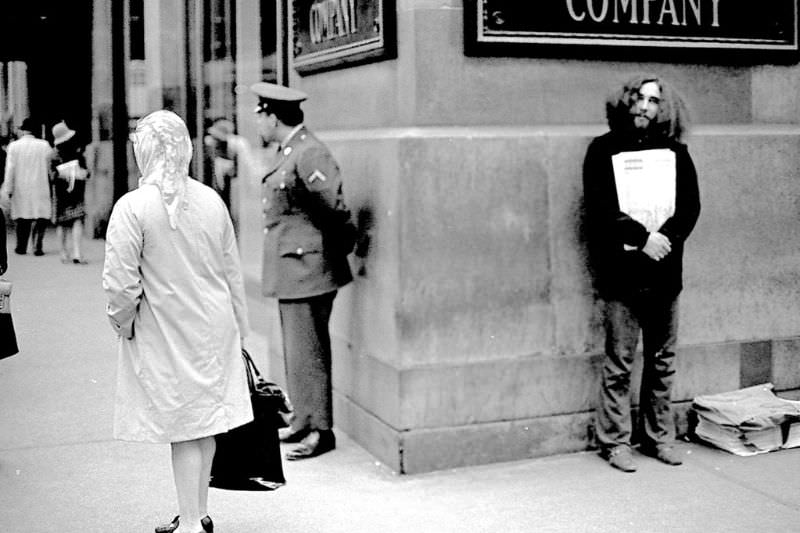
(253,374)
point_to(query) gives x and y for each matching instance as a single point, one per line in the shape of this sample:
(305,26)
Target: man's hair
(672,119)
(288,113)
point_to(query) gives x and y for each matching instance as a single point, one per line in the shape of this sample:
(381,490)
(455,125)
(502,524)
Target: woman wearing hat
(68,174)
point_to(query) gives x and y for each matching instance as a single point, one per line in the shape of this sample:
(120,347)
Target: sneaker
(620,458)
(664,453)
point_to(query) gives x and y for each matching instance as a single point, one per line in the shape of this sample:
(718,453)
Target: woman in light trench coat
(176,299)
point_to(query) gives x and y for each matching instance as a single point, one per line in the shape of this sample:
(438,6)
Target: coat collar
(289,144)
(293,135)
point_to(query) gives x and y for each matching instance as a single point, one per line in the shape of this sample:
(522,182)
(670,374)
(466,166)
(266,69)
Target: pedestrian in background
(223,159)
(176,299)
(307,236)
(68,172)
(8,337)
(223,164)
(27,185)
(642,202)
(3,154)
(3,250)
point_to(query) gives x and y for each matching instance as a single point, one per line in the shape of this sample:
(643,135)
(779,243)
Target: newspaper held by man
(645,182)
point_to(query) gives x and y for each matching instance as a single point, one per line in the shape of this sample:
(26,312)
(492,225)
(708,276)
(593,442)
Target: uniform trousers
(656,317)
(24,231)
(307,358)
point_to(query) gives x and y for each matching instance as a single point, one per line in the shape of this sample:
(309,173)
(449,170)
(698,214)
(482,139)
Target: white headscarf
(163,150)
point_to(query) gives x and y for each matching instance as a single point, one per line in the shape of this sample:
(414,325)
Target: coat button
(264,201)
(299,251)
(266,230)
(282,185)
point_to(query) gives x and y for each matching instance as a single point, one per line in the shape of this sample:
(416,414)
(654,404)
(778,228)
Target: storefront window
(219,67)
(269,41)
(219,28)
(136,21)
(137,71)
(219,104)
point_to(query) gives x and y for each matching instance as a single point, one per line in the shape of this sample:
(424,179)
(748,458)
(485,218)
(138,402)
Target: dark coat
(68,195)
(305,222)
(8,338)
(619,273)
(3,250)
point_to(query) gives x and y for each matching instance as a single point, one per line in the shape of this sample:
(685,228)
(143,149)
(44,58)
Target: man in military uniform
(307,236)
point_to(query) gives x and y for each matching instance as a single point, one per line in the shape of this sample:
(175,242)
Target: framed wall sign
(337,33)
(658,29)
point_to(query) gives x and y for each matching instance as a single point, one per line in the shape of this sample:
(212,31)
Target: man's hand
(236,143)
(657,246)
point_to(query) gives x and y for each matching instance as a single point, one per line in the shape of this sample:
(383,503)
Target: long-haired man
(642,202)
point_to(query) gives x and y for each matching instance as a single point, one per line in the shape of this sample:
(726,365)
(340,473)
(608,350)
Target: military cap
(277,93)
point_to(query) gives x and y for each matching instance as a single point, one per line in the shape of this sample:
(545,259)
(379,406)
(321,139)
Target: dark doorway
(54,38)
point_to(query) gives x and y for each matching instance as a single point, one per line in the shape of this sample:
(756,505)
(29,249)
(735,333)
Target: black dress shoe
(316,443)
(290,435)
(208,525)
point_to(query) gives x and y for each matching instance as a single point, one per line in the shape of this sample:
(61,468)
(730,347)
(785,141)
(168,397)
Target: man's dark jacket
(618,273)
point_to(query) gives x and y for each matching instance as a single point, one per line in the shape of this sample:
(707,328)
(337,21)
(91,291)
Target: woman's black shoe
(208,525)
(168,528)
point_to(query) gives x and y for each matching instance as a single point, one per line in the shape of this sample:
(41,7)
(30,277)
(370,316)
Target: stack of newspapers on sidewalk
(748,421)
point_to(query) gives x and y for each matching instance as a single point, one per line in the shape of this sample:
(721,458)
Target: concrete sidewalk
(61,472)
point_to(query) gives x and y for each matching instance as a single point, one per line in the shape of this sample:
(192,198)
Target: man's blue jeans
(656,317)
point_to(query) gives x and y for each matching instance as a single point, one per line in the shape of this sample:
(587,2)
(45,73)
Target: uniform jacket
(305,217)
(27,178)
(619,273)
(176,299)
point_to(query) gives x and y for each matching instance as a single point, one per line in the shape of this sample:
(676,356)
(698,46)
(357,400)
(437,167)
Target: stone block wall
(471,333)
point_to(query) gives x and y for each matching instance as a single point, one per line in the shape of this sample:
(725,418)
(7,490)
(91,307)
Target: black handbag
(249,457)
(269,400)
(8,338)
